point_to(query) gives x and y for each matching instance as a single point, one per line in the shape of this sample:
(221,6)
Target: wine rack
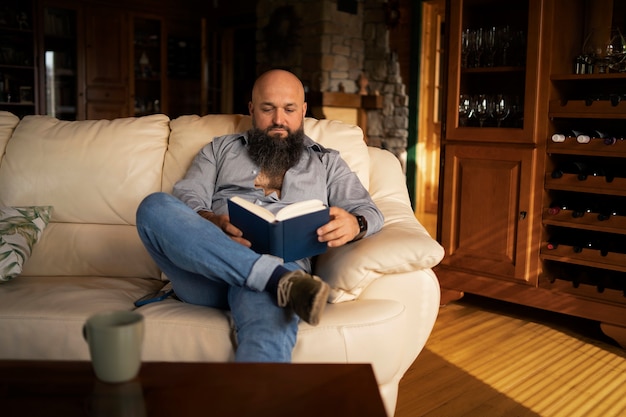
(592,174)
(534,213)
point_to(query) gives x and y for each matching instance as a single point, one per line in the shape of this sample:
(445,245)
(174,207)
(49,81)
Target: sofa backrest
(8,121)
(191,133)
(94,173)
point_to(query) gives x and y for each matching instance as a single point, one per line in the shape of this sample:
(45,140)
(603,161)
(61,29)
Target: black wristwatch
(362,227)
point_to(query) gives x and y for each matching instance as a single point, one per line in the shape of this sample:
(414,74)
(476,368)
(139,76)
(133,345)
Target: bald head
(277,104)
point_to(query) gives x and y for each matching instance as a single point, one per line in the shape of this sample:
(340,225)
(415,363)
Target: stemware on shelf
(482,108)
(501,108)
(465,109)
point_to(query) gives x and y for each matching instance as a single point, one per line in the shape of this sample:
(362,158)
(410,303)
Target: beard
(275,155)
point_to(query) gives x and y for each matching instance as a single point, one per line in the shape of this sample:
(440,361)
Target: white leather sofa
(385,297)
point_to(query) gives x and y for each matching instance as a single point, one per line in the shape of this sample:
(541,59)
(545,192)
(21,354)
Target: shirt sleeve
(197,187)
(346,191)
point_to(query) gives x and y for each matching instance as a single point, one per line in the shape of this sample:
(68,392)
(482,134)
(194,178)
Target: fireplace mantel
(347,107)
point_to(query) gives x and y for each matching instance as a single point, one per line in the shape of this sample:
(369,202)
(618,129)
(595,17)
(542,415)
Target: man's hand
(223,222)
(341,229)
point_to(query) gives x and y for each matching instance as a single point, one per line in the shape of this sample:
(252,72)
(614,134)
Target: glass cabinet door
(17,57)
(60,63)
(493,46)
(147,58)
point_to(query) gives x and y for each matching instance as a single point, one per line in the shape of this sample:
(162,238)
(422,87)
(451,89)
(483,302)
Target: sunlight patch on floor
(564,377)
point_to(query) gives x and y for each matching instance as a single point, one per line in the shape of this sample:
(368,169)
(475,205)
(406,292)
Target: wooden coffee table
(43,388)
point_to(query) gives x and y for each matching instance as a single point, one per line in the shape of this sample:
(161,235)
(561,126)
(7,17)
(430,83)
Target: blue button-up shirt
(223,169)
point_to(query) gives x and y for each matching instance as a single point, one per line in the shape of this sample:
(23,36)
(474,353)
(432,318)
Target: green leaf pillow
(20,229)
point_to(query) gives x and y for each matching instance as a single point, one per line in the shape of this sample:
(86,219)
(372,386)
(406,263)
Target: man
(208,259)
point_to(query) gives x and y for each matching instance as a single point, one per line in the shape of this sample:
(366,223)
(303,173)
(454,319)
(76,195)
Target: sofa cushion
(20,229)
(345,138)
(402,245)
(94,173)
(42,317)
(191,133)
(188,135)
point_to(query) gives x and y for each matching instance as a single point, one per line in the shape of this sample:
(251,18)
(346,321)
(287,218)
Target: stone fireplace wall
(329,49)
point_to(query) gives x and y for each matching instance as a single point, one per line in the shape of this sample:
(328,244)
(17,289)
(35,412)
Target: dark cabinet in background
(107,65)
(18,60)
(148,64)
(532,209)
(84,59)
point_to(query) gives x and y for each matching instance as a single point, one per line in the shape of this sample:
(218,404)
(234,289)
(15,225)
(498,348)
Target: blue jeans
(206,267)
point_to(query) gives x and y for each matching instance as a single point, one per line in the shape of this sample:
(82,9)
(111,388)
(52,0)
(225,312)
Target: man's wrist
(362,222)
(206,214)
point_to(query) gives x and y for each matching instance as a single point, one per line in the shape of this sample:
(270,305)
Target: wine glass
(465,109)
(465,48)
(504,43)
(482,108)
(616,51)
(501,108)
(489,42)
(476,46)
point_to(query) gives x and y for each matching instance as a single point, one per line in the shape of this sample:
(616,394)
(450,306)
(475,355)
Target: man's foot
(305,294)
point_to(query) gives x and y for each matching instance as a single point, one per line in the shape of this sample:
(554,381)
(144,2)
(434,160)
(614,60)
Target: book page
(299,208)
(288,212)
(262,212)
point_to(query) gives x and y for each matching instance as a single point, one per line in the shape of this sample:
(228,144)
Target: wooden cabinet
(487,217)
(492,70)
(84,59)
(488,196)
(525,218)
(18,80)
(148,63)
(107,63)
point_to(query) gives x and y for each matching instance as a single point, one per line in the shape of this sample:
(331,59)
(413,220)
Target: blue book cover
(290,234)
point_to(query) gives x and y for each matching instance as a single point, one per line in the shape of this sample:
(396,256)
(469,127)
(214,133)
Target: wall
(329,49)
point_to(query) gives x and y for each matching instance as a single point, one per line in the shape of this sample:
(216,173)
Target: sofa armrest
(403,244)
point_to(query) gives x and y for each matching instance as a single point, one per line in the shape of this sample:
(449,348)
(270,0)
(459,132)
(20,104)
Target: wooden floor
(487,358)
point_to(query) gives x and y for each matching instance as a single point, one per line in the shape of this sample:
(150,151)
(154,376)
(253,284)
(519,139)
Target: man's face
(277,105)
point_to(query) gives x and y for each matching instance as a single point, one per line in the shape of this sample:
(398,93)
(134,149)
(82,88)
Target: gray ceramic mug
(115,340)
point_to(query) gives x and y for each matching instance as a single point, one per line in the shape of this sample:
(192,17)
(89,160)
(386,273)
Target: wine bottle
(600,170)
(558,137)
(608,138)
(582,137)
(579,206)
(556,207)
(614,169)
(562,136)
(582,209)
(565,237)
(611,207)
(578,168)
(580,240)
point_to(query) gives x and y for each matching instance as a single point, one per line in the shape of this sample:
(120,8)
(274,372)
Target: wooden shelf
(588,77)
(492,70)
(595,147)
(600,109)
(583,290)
(564,218)
(594,185)
(587,257)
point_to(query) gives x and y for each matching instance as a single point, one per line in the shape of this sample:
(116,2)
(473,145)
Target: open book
(290,234)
